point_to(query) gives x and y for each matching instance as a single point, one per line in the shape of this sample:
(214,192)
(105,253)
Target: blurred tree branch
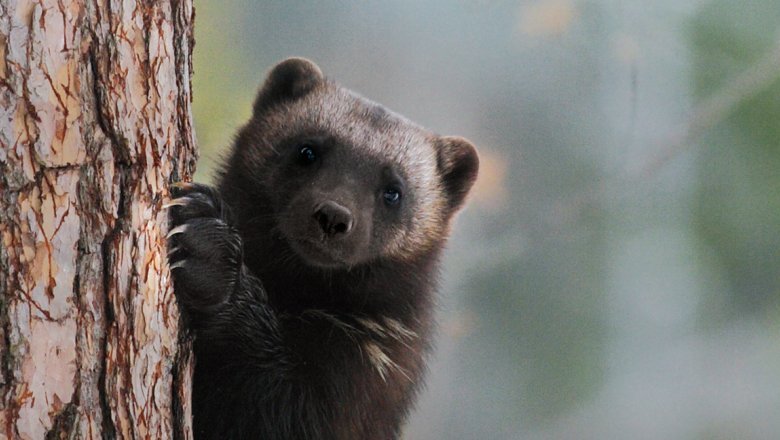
(717,107)
(705,115)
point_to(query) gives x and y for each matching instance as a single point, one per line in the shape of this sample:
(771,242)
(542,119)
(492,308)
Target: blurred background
(617,272)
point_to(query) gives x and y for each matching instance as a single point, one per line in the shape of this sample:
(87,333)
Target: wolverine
(307,274)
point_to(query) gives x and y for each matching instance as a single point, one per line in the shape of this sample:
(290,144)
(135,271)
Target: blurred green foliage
(738,201)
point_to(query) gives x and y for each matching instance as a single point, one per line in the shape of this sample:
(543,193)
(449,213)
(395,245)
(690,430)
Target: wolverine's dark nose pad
(333,218)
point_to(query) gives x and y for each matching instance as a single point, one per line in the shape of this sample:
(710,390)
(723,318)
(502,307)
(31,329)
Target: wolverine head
(346,180)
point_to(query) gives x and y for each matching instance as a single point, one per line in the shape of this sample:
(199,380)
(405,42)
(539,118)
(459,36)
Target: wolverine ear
(288,80)
(458,165)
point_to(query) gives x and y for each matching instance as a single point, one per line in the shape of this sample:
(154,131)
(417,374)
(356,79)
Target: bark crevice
(64,423)
(107,257)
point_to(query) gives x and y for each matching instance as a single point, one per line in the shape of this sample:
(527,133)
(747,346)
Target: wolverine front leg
(206,256)
(241,357)
(205,251)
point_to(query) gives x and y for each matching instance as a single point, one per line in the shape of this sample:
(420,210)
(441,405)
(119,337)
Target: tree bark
(95,122)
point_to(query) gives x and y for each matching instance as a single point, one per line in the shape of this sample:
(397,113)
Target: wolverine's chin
(317,254)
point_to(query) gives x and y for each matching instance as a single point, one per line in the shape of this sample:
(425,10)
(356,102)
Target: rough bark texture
(94,123)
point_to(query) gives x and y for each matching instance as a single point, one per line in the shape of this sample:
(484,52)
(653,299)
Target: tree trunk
(95,122)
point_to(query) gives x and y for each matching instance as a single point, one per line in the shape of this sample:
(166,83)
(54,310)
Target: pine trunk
(95,122)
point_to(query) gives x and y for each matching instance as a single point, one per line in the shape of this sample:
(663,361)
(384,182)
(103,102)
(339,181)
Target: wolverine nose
(334,219)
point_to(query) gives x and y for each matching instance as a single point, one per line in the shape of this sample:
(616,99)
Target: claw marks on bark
(94,122)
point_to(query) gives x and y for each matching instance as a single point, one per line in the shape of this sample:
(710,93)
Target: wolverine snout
(335,220)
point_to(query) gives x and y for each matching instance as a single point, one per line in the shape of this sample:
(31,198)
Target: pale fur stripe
(381,361)
(372,326)
(372,331)
(399,329)
(338,323)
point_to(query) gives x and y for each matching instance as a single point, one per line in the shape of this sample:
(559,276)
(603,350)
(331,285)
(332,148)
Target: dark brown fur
(315,326)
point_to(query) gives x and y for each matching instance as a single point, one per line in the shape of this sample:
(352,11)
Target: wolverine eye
(392,196)
(306,154)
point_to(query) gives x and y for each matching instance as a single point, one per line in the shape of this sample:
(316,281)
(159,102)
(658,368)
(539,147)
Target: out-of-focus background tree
(617,273)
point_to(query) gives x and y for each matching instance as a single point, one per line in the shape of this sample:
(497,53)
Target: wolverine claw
(173,250)
(178,264)
(177,230)
(181,201)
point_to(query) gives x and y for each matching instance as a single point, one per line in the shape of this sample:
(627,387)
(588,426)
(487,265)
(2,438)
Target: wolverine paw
(204,251)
